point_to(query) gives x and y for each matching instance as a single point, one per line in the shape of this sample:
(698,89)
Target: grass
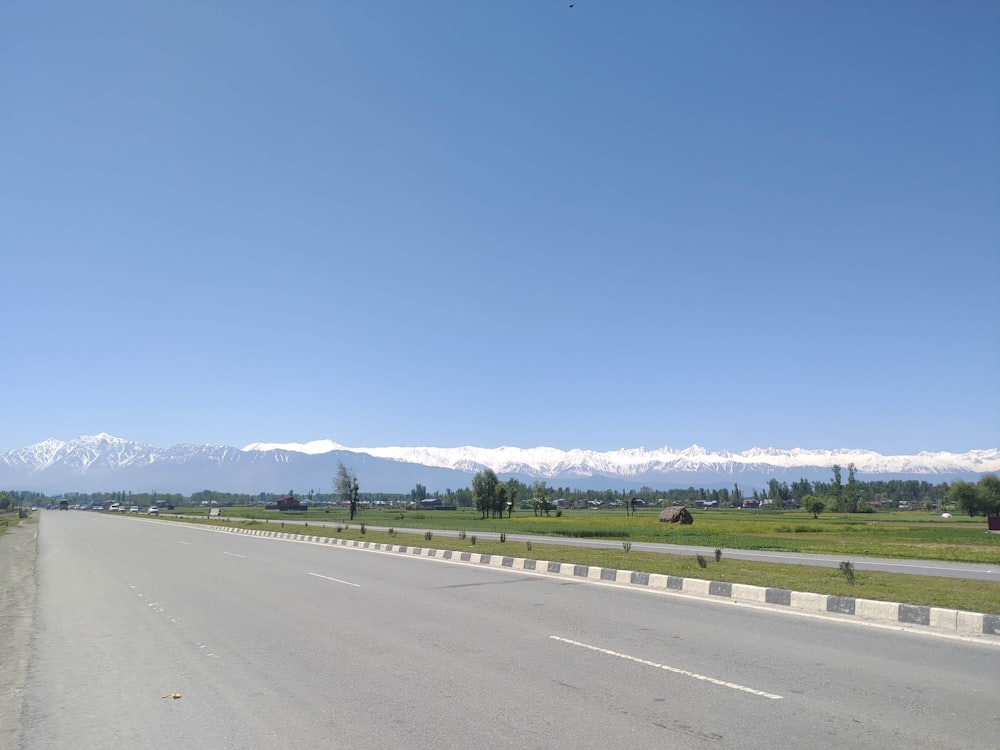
(901,535)
(968,595)
(7,520)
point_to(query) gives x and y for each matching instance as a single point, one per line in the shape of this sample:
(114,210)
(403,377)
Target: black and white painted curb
(939,619)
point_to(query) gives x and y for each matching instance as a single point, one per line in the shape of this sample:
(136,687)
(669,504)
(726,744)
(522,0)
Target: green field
(905,535)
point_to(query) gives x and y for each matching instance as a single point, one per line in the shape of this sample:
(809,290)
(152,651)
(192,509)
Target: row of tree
(979,499)
(492,496)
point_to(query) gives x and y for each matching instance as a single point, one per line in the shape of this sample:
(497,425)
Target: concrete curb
(952,621)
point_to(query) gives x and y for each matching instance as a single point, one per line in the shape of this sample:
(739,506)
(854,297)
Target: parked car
(134,509)
(153,509)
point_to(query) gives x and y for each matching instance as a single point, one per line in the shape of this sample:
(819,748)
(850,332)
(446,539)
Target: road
(974,571)
(279,644)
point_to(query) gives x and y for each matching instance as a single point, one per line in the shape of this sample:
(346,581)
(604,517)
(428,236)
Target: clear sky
(624,224)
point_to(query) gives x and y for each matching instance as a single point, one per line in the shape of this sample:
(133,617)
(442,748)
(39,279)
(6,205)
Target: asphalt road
(974,571)
(279,644)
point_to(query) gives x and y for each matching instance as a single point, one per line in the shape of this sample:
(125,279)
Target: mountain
(105,463)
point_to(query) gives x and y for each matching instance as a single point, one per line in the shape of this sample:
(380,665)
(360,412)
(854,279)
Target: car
(134,509)
(153,509)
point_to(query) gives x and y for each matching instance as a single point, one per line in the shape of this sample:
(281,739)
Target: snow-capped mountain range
(102,462)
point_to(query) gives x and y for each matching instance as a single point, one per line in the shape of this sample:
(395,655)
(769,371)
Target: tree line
(492,496)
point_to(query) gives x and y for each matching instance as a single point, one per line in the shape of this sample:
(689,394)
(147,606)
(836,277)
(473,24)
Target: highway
(272,643)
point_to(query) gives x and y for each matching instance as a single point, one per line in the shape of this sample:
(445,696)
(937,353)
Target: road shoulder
(18,553)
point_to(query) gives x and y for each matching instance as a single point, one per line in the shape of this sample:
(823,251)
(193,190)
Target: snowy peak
(312,448)
(552,462)
(102,462)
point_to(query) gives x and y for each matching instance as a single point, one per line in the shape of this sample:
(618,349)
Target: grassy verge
(7,520)
(973,596)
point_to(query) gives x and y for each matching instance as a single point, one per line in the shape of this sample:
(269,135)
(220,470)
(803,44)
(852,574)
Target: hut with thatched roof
(676,514)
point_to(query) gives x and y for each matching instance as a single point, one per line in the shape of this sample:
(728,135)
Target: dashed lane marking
(675,670)
(336,580)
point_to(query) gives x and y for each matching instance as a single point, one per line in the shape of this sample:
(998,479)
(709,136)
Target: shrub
(472,539)
(461,534)
(529,546)
(702,562)
(718,554)
(627,546)
(503,537)
(847,568)
(363,530)
(428,535)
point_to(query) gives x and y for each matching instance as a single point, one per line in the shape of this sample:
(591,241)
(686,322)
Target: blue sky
(508,223)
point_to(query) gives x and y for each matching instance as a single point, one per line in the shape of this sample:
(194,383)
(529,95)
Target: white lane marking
(233,554)
(675,670)
(337,580)
(180,542)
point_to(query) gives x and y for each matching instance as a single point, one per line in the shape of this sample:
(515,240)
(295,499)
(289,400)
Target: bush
(702,562)
(718,554)
(428,535)
(627,546)
(472,540)
(847,568)
(503,537)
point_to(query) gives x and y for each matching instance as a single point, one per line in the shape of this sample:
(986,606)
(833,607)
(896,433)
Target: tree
(838,489)
(514,488)
(852,490)
(6,501)
(979,499)
(500,503)
(485,486)
(346,486)
(988,491)
(813,505)
(965,497)
(540,498)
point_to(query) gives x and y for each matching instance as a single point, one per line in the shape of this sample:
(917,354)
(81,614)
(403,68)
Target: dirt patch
(18,551)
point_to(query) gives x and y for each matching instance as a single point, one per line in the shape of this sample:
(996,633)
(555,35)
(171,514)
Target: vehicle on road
(64,505)
(134,509)
(153,510)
